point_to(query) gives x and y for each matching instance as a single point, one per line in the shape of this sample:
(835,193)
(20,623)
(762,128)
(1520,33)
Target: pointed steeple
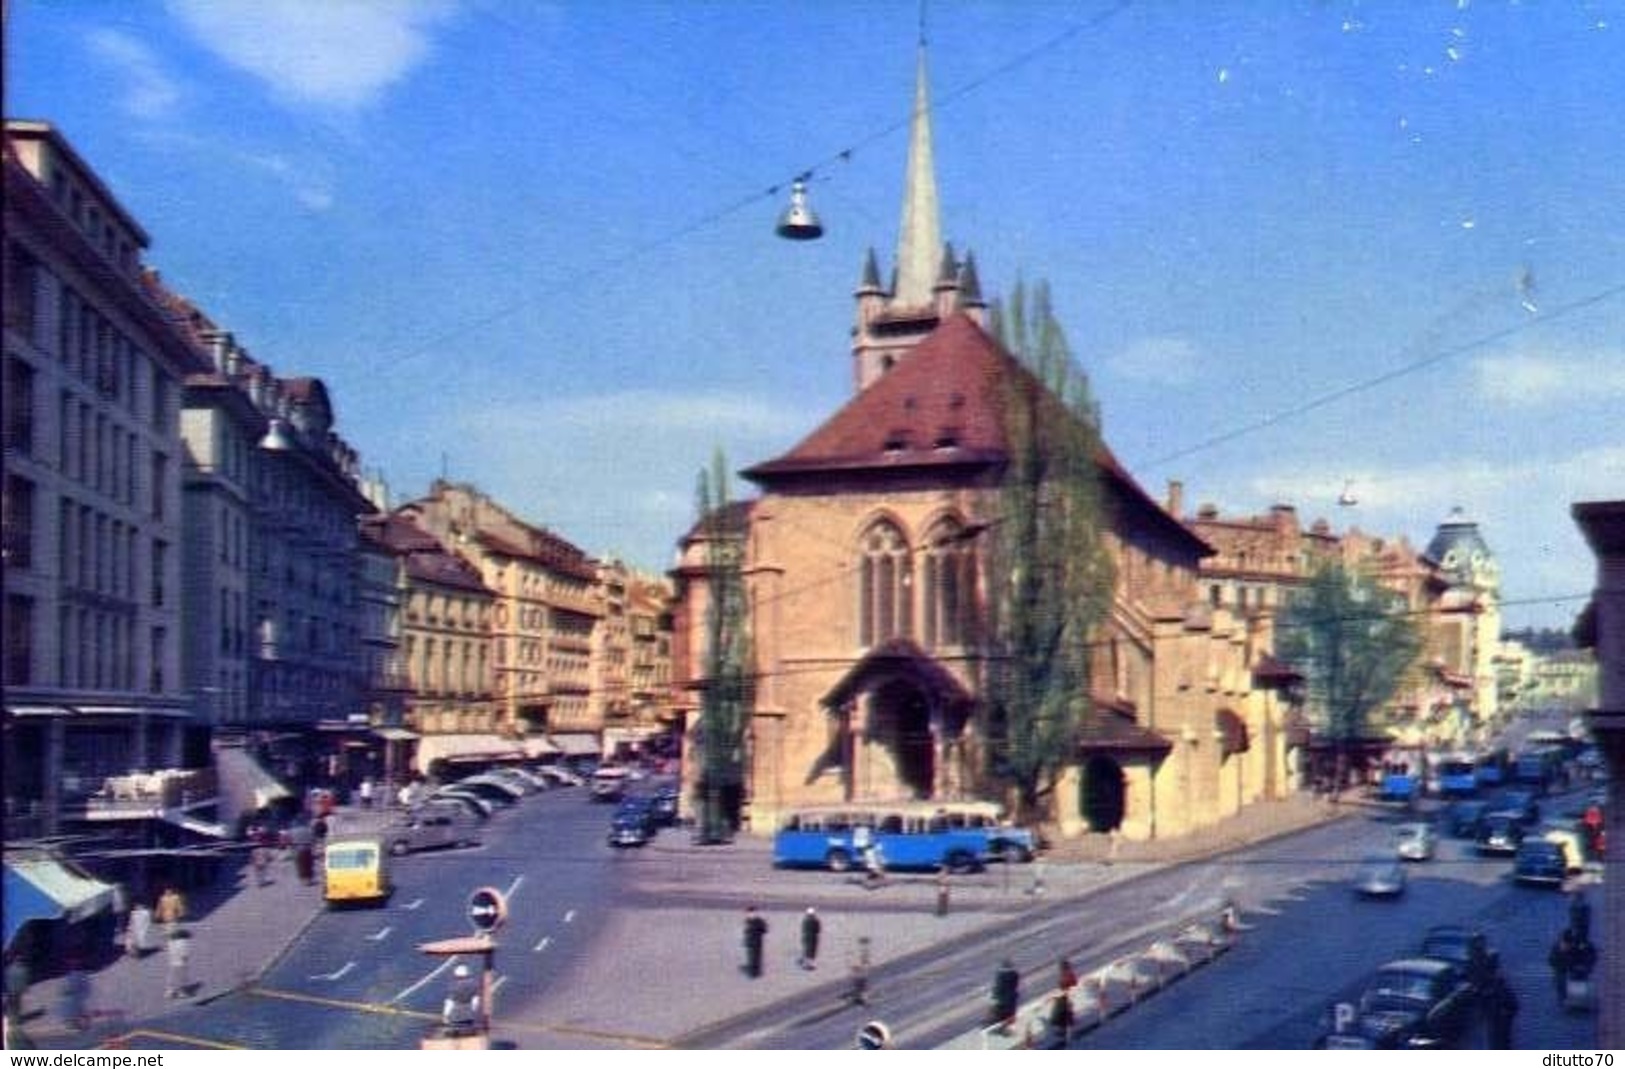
(919,240)
(870,282)
(970,286)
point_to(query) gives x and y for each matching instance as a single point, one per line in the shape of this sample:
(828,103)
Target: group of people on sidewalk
(812,931)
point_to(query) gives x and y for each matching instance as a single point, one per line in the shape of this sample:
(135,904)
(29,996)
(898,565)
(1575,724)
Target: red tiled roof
(940,408)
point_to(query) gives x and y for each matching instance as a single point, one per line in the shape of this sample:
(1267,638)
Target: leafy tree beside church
(1050,582)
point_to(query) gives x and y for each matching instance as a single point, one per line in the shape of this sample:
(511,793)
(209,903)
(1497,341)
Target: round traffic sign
(874,1036)
(487,909)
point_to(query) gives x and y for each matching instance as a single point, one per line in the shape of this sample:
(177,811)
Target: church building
(866,565)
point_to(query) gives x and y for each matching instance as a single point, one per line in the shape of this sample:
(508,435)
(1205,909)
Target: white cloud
(310,188)
(563,462)
(330,54)
(1530,379)
(150,92)
(1163,360)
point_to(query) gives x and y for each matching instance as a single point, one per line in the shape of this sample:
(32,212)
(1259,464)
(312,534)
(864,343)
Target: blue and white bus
(961,837)
(1457,776)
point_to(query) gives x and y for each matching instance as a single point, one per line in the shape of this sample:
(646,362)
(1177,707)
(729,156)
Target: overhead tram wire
(1386,377)
(747,200)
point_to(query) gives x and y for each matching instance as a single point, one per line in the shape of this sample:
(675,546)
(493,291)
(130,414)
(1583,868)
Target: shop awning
(432,748)
(245,785)
(395,734)
(41,887)
(537,746)
(577,744)
(39,710)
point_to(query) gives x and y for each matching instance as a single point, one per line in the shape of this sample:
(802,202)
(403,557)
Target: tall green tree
(1050,581)
(726,697)
(1354,640)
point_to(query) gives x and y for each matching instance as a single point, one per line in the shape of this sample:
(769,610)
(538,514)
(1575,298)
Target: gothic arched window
(949,578)
(884,583)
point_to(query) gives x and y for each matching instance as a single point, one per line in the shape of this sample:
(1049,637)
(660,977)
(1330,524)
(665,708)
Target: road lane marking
(335,975)
(546,939)
(569,916)
(438,969)
(378,936)
(340,1003)
(176,1039)
(414,904)
(514,886)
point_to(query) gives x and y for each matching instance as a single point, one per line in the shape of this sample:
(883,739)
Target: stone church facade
(866,559)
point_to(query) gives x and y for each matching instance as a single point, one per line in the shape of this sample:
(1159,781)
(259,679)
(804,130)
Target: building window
(949,578)
(19,408)
(22,283)
(160,479)
(160,639)
(17,524)
(884,582)
(19,640)
(160,564)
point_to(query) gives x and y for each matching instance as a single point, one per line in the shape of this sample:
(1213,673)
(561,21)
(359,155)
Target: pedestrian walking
(1580,917)
(874,865)
(138,930)
(1066,976)
(75,1006)
(262,866)
(755,937)
(171,911)
(942,892)
(365,791)
(17,980)
(1061,1019)
(1500,1008)
(177,978)
(1036,890)
(1561,959)
(811,929)
(304,854)
(857,991)
(1006,995)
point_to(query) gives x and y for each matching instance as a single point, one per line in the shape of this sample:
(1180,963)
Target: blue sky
(530,245)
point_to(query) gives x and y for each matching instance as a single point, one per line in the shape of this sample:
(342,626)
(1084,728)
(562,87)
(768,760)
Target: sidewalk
(237,931)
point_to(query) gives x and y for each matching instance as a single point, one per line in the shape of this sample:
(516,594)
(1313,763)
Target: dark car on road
(1464,820)
(1416,1002)
(666,804)
(639,809)
(629,830)
(1502,834)
(1539,862)
(1467,948)
(1523,803)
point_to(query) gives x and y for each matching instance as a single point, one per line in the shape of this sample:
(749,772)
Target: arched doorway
(1101,795)
(902,723)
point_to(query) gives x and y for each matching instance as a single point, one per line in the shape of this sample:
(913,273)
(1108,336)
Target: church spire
(919,240)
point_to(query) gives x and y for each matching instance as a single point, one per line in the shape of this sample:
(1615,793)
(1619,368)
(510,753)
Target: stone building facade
(93,523)
(866,561)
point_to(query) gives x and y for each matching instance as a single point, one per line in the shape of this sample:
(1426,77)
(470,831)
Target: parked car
(559,776)
(609,784)
(667,802)
(629,829)
(1523,803)
(1539,862)
(640,808)
(459,796)
(1464,820)
(517,778)
(1502,833)
(1415,1002)
(1468,949)
(1413,842)
(492,790)
(430,827)
(1380,877)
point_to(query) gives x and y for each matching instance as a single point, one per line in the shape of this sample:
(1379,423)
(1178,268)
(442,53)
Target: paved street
(590,925)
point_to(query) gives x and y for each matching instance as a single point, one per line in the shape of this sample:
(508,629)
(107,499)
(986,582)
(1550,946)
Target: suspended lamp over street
(799,222)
